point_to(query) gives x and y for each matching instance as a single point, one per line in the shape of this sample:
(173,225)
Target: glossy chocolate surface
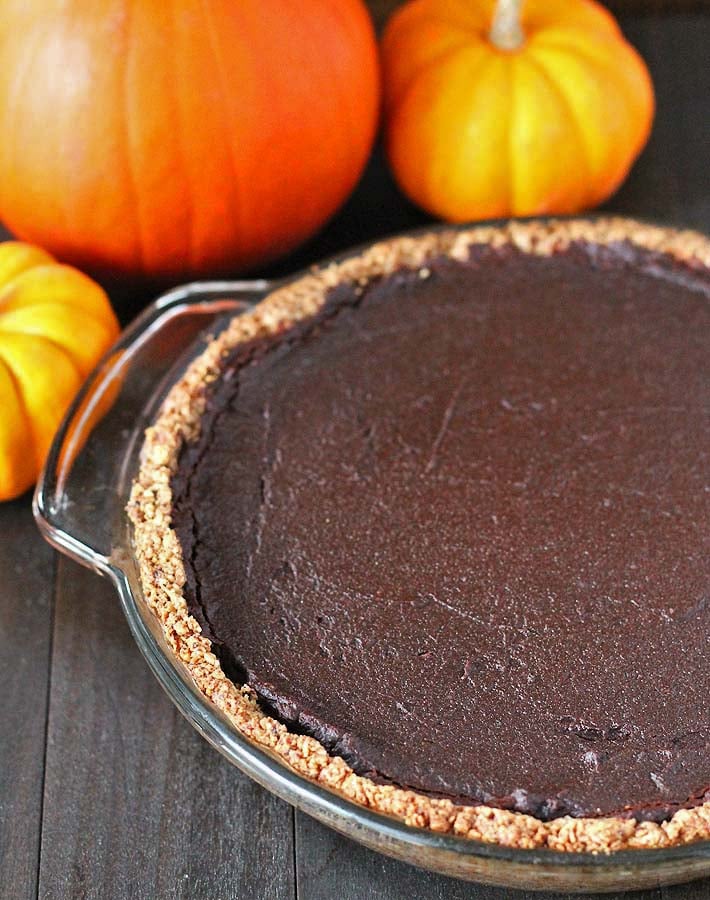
(456,527)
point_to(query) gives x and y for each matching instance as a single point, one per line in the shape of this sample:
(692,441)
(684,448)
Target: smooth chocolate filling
(456,527)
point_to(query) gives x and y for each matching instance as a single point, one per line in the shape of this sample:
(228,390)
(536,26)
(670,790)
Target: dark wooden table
(105,792)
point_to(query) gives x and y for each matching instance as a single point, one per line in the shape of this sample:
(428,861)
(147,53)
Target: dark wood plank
(330,865)
(696,890)
(26,576)
(136,804)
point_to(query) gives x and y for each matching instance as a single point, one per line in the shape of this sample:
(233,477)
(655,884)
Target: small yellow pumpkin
(55,323)
(511,108)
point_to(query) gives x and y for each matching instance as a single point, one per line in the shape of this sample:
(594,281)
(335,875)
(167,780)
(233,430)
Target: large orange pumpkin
(180,138)
(510,108)
(54,325)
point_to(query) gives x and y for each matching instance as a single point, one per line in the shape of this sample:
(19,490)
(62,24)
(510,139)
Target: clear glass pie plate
(79,506)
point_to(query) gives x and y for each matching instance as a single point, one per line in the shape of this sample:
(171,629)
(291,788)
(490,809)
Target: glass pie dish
(80,507)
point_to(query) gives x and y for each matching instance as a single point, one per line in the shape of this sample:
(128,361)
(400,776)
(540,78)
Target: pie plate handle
(83,488)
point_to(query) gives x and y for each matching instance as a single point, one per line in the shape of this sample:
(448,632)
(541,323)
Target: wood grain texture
(330,865)
(696,890)
(26,574)
(137,805)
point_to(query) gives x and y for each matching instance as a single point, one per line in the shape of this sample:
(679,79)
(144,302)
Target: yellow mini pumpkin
(514,107)
(55,323)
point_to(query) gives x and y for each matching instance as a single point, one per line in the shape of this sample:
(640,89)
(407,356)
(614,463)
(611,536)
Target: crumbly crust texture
(162,569)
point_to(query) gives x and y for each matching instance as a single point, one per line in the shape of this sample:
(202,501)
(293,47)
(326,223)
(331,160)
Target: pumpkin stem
(506,31)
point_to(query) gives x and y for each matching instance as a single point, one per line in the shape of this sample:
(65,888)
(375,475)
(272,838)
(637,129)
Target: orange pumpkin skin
(476,132)
(55,323)
(181,138)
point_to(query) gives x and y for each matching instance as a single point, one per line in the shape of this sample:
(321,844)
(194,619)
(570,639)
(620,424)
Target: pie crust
(162,572)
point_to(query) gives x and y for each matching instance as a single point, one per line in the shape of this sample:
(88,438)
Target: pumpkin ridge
(630,95)
(33,335)
(532,58)
(582,48)
(22,258)
(74,300)
(6,293)
(128,157)
(585,56)
(18,392)
(16,476)
(343,104)
(180,145)
(485,60)
(512,164)
(12,104)
(33,425)
(100,324)
(63,199)
(325,69)
(55,324)
(237,206)
(433,61)
(54,305)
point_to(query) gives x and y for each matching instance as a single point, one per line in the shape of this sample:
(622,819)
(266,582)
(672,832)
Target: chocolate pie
(432,525)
